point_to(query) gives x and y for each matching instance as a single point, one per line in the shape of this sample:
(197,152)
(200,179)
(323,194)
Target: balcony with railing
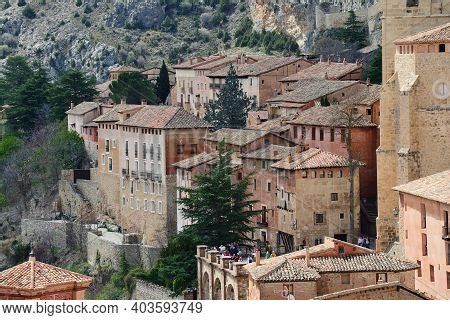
(134,173)
(262,220)
(125,172)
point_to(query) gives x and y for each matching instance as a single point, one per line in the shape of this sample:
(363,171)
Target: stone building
(328,70)
(137,146)
(114,72)
(307,93)
(328,268)
(414,120)
(260,80)
(34,280)
(326,128)
(424,231)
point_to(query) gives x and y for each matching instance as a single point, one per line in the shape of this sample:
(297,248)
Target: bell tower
(399,115)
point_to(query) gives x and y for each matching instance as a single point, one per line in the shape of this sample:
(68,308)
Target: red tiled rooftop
(435,35)
(324,70)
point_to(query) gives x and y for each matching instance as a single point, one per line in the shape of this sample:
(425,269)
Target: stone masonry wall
(148,291)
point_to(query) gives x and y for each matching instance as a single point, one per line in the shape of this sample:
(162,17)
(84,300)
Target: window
(295,132)
(269,186)
(110,164)
(334,197)
(137,185)
(442,48)
(343,136)
(131,186)
(288,289)
(321,134)
(103,159)
(152,206)
(152,152)
(144,151)
(123,201)
(406,234)
(431,273)
(332,135)
(254,184)
(319,218)
(138,205)
(424,245)
(304,174)
(412,3)
(340,174)
(381,277)
(345,278)
(107,145)
(322,174)
(342,216)
(318,241)
(264,164)
(423,216)
(114,144)
(313,133)
(159,207)
(126,149)
(303,133)
(131,203)
(448,280)
(419,271)
(194,149)
(180,149)
(159,152)
(123,183)
(135,149)
(330,174)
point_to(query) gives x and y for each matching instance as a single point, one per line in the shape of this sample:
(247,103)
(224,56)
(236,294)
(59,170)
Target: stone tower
(414,120)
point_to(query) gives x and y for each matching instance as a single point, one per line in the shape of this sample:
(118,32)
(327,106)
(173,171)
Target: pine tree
(230,109)
(354,30)
(72,86)
(218,208)
(374,71)
(163,84)
(14,74)
(134,87)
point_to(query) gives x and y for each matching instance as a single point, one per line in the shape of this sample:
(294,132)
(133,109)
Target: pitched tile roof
(324,70)
(307,90)
(113,114)
(197,61)
(124,69)
(257,68)
(272,152)
(371,262)
(435,35)
(103,89)
(238,137)
(366,96)
(195,160)
(35,275)
(311,159)
(83,108)
(331,116)
(162,117)
(325,259)
(276,125)
(435,187)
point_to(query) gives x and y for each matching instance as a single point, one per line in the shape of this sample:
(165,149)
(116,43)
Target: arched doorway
(205,287)
(230,292)
(217,290)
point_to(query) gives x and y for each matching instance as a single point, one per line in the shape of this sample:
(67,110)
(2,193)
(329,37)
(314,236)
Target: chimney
(329,60)
(275,153)
(321,58)
(32,260)
(289,159)
(307,257)
(358,62)
(368,81)
(72,105)
(123,100)
(179,60)
(345,61)
(190,60)
(339,59)
(326,76)
(377,246)
(144,102)
(258,257)
(299,149)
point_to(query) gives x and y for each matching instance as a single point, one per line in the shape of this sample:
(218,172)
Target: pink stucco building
(424,208)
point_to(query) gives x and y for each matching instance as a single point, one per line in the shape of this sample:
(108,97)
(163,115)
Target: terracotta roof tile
(196,160)
(439,34)
(307,90)
(124,69)
(83,108)
(113,114)
(272,152)
(290,271)
(257,68)
(37,275)
(197,61)
(366,96)
(239,137)
(435,187)
(331,116)
(324,70)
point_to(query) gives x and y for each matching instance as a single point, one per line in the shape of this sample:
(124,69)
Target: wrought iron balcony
(125,172)
(134,173)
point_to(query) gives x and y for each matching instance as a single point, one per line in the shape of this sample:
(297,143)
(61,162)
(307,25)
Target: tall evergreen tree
(14,74)
(218,208)
(29,103)
(354,30)
(231,107)
(163,84)
(134,87)
(374,71)
(72,86)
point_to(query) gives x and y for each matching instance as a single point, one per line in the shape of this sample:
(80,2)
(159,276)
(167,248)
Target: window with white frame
(123,201)
(136,151)
(145,205)
(123,183)
(131,203)
(137,185)
(145,187)
(159,207)
(138,204)
(110,164)
(103,159)
(114,144)
(152,206)
(144,151)
(131,186)
(107,145)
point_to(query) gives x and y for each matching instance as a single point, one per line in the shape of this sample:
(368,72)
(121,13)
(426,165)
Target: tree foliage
(134,87)
(232,104)
(218,208)
(354,31)
(374,70)
(72,86)
(163,83)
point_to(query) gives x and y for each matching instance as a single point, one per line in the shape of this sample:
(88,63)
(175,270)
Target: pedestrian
(360,241)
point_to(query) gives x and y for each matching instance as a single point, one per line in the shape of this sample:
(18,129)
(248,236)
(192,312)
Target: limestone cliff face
(301,18)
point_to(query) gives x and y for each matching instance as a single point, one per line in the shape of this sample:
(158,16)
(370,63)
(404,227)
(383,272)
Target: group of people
(363,241)
(231,251)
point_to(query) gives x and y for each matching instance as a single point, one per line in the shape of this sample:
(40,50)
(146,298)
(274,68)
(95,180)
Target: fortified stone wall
(148,291)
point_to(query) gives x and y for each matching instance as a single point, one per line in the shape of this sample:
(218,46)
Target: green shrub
(19,252)
(21,3)
(78,3)
(87,9)
(28,12)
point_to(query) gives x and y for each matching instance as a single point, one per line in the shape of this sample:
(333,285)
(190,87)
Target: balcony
(134,173)
(215,86)
(445,233)
(157,177)
(262,219)
(125,172)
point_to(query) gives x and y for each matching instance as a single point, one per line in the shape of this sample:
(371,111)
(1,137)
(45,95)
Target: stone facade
(414,123)
(145,290)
